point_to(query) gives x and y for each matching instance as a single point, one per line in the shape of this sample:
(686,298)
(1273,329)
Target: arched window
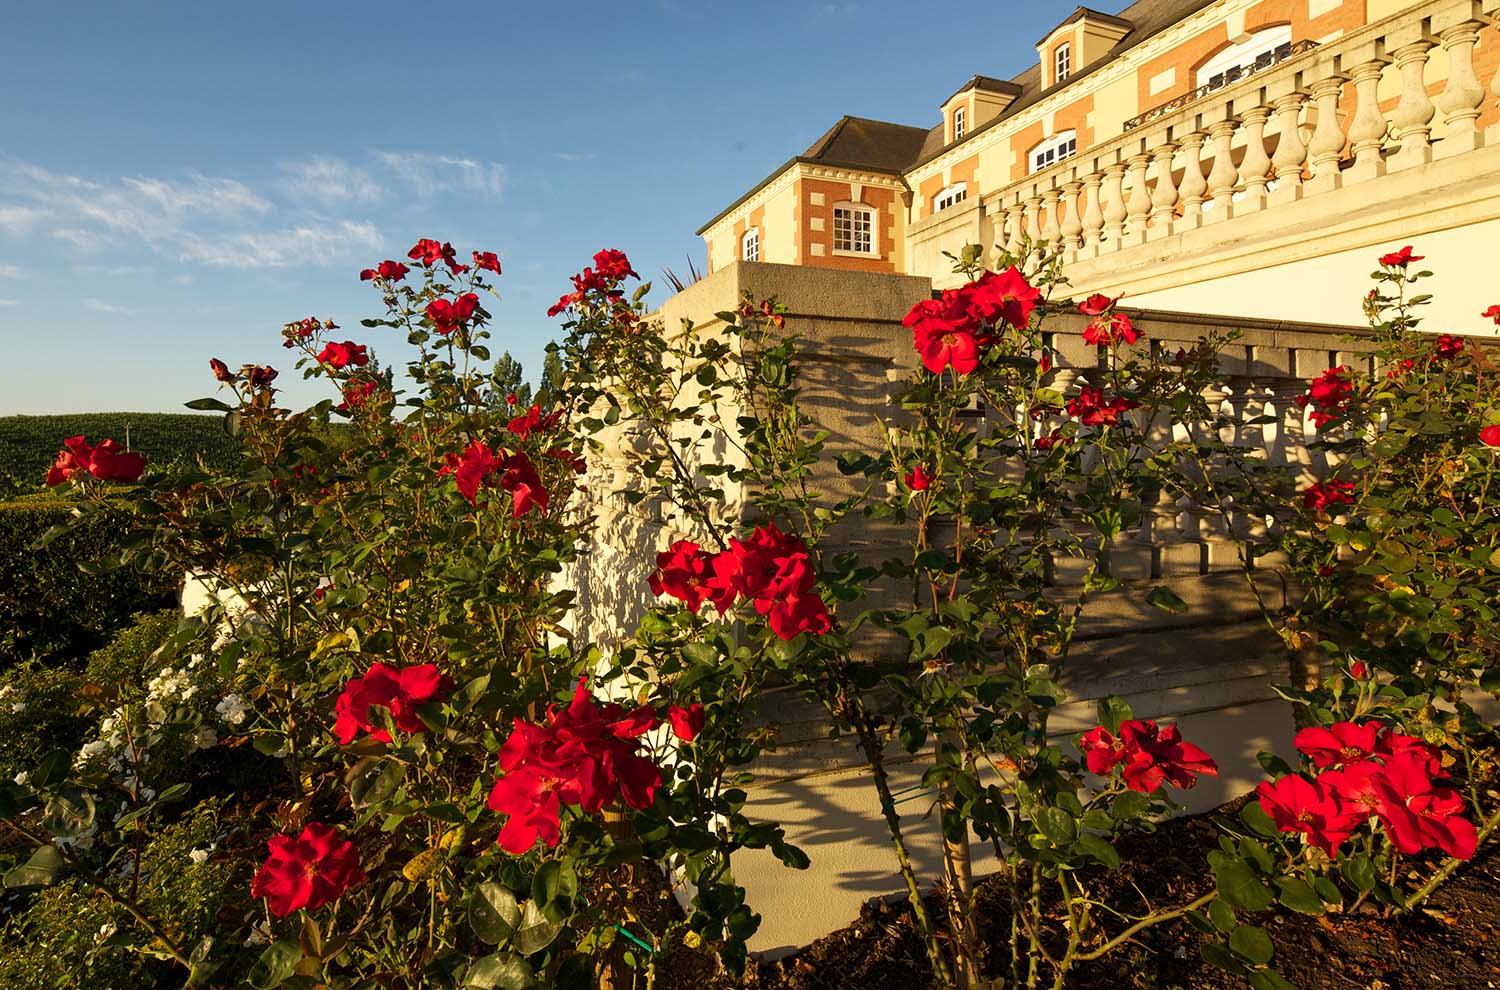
(854,230)
(1053,150)
(1062,62)
(960,122)
(750,245)
(951,196)
(1261,49)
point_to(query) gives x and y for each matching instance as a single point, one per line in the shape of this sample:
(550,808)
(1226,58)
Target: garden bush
(58,601)
(444,784)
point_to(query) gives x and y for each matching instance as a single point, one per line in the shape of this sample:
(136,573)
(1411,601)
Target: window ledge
(855,254)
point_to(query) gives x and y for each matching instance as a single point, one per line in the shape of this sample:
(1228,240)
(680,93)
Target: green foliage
(40,712)
(29,444)
(507,378)
(51,608)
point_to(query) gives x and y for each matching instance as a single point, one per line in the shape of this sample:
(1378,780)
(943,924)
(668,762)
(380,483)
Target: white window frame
(750,245)
(1239,59)
(1054,149)
(950,197)
(960,122)
(858,226)
(1062,62)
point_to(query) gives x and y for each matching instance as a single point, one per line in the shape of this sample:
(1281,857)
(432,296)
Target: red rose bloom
(1493,313)
(1050,440)
(1447,346)
(262,375)
(357,392)
(1150,754)
(682,571)
(1490,436)
(1401,258)
(613,265)
(1328,394)
(1322,494)
(1096,304)
(307,871)
(686,722)
(519,478)
(917,479)
(343,355)
(1090,409)
(221,370)
(427,252)
(400,690)
(449,316)
(1340,743)
(73,458)
(532,420)
(1115,328)
(106,462)
(1297,804)
(391,271)
(470,469)
(487,261)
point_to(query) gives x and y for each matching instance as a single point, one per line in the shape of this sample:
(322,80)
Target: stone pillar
(1138,206)
(1291,153)
(1412,119)
(1367,131)
(1327,146)
(1033,224)
(1072,222)
(1164,196)
(1222,177)
(1114,206)
(1255,167)
(1462,97)
(1194,185)
(1014,229)
(1093,213)
(1052,229)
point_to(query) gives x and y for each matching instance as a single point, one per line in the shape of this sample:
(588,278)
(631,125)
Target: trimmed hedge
(52,611)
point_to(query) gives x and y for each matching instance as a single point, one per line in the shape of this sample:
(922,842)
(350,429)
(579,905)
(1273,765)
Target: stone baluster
(1291,153)
(1463,96)
(1138,206)
(1034,224)
(1015,226)
(1411,121)
(1326,150)
(1114,205)
(1255,167)
(1052,229)
(1494,130)
(1072,221)
(1164,194)
(1367,131)
(1194,185)
(1222,177)
(1093,214)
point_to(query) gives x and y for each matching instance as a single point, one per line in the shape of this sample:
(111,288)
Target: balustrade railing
(1271,137)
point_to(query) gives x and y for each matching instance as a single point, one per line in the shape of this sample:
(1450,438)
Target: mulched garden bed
(1453,942)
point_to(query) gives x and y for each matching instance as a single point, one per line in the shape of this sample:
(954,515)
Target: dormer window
(951,196)
(750,245)
(960,122)
(854,229)
(1062,62)
(1053,150)
(1261,50)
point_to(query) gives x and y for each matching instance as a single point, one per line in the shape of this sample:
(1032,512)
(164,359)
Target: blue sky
(177,180)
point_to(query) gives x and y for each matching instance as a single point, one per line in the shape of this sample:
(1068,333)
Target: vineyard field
(28,444)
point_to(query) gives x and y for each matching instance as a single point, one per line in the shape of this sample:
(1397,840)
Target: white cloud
(574,156)
(429,175)
(328,181)
(18,218)
(10,271)
(113,309)
(314,242)
(9,302)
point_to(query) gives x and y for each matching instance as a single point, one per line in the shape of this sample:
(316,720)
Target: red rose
(1490,435)
(1322,494)
(1150,754)
(1050,440)
(533,420)
(682,571)
(449,316)
(1096,304)
(1340,743)
(391,271)
(73,458)
(511,398)
(519,478)
(400,690)
(918,479)
(357,392)
(262,375)
(343,355)
(106,462)
(1090,409)
(1419,813)
(1297,804)
(1104,331)
(686,722)
(487,261)
(613,265)
(572,460)
(470,469)
(1447,346)
(1328,394)
(308,871)
(428,252)
(221,370)
(1401,258)
(1493,313)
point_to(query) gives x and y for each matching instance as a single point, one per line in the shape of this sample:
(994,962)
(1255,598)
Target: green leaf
(1216,955)
(501,971)
(1129,806)
(1256,819)
(209,405)
(1328,891)
(1299,896)
(700,653)
(493,913)
(1252,943)
(372,780)
(1222,916)
(40,870)
(535,932)
(555,881)
(1057,825)
(1239,885)
(69,812)
(1099,848)
(1359,870)
(1269,979)
(276,964)
(1200,921)
(1112,711)
(1166,599)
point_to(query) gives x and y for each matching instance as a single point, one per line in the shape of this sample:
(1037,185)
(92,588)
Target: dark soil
(1450,943)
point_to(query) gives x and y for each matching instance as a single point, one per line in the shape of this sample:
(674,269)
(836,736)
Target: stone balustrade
(1271,139)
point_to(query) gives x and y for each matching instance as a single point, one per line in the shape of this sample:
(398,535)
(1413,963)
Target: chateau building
(1317,127)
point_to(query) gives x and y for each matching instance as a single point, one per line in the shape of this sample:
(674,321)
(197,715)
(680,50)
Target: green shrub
(39,712)
(127,660)
(51,610)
